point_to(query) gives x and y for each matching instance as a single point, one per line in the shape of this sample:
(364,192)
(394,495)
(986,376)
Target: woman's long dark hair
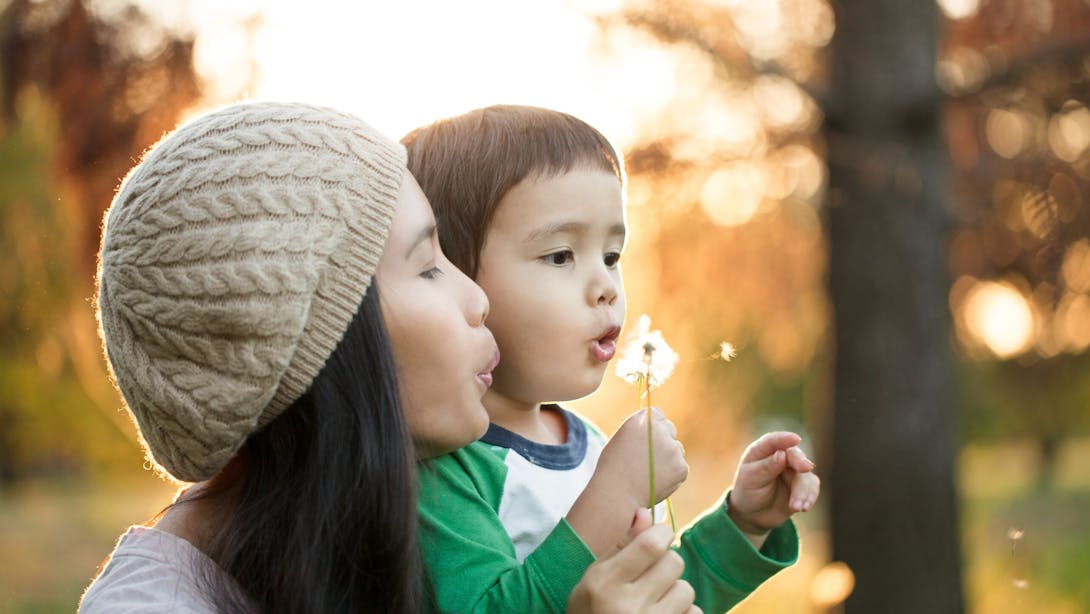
(326,506)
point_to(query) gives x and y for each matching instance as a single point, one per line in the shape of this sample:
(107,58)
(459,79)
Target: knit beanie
(233,258)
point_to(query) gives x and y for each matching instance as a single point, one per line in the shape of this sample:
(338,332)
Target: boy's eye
(432,273)
(559,258)
(612,258)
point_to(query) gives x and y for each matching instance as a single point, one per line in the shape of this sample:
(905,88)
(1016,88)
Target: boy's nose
(609,294)
(603,291)
(476,305)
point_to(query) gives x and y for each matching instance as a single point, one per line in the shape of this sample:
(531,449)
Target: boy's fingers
(805,488)
(768,443)
(798,461)
(659,416)
(768,469)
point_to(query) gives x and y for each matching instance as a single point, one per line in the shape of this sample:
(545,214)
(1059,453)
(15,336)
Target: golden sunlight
(999,316)
(402,65)
(732,194)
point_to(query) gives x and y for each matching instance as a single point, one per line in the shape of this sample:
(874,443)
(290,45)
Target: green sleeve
(470,558)
(721,564)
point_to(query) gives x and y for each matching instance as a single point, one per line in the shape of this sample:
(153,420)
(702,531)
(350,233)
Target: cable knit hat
(233,258)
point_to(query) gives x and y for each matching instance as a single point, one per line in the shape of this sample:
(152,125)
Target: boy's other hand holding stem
(603,513)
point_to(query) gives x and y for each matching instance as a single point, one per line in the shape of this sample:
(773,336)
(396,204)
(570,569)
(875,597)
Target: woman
(288,336)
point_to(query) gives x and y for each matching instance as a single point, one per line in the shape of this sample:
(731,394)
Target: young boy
(529,204)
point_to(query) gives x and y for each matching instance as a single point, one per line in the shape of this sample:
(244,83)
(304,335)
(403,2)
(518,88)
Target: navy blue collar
(559,457)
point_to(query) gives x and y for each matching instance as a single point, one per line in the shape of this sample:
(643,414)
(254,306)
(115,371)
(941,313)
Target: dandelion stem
(646,382)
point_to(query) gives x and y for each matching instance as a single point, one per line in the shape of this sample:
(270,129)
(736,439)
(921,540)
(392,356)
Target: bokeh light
(1000,317)
(961,70)
(1008,132)
(1073,321)
(959,9)
(1069,132)
(832,584)
(732,194)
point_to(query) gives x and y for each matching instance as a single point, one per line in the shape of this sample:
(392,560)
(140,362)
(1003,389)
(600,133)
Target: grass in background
(53,535)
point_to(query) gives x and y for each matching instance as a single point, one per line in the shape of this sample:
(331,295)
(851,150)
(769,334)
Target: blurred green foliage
(82,92)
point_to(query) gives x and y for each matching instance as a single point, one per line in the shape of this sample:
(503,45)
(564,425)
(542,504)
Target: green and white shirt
(493,532)
(542,481)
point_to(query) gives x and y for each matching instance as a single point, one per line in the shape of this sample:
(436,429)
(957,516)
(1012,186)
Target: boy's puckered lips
(604,347)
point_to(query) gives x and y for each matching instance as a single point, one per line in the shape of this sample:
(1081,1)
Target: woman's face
(435,317)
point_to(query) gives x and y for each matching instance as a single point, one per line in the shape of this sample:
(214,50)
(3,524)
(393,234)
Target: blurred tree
(891,483)
(720,185)
(81,93)
(116,80)
(1018,74)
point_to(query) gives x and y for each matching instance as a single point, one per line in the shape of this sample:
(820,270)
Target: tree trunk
(891,483)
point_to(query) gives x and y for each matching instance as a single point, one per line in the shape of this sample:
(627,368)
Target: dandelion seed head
(1020,583)
(646,355)
(1015,534)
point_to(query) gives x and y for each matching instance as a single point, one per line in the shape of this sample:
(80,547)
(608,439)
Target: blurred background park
(881,205)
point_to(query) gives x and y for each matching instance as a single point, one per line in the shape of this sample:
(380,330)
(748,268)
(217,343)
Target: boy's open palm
(773,481)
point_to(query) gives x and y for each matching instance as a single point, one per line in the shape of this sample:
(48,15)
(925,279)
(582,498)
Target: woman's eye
(432,273)
(612,258)
(559,258)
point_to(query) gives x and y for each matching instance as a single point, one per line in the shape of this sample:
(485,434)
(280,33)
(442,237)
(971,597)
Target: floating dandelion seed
(1015,535)
(647,360)
(727,351)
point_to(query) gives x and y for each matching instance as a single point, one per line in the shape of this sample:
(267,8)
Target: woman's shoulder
(151,571)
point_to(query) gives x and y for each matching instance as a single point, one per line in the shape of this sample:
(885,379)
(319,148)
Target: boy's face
(550,267)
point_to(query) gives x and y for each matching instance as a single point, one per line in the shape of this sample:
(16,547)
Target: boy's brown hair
(466,164)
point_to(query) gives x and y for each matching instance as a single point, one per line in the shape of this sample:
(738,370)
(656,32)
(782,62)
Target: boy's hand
(773,481)
(603,512)
(624,462)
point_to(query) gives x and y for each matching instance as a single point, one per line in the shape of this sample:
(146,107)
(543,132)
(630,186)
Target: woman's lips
(485,376)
